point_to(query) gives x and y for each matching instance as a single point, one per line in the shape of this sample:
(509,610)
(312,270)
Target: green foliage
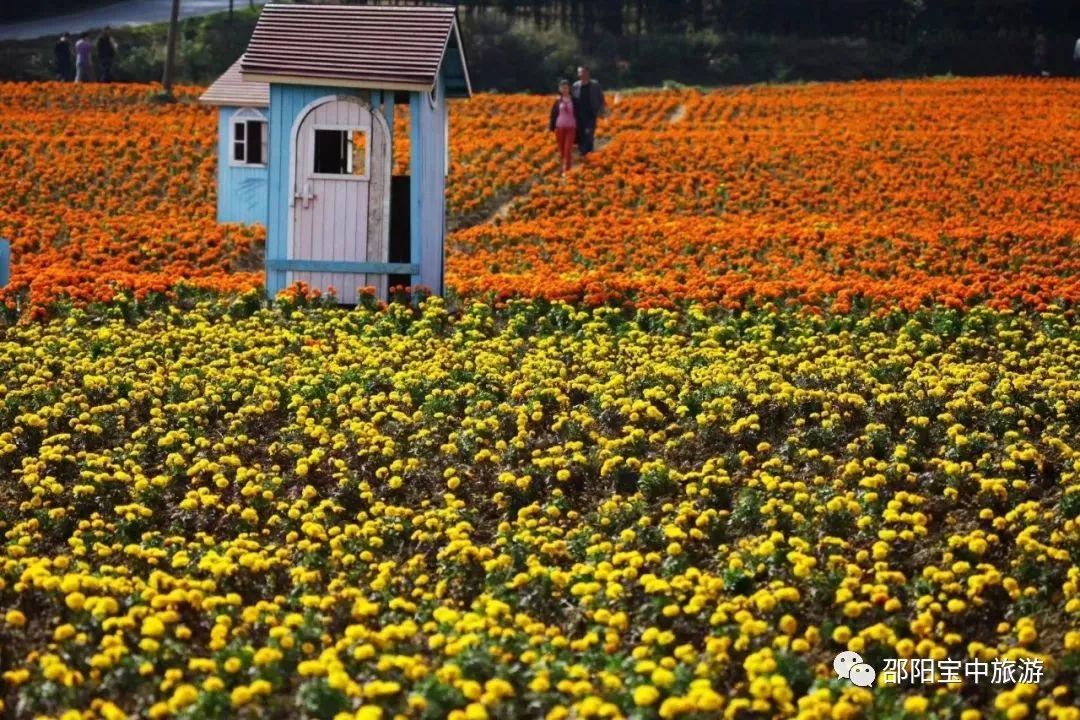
(508,53)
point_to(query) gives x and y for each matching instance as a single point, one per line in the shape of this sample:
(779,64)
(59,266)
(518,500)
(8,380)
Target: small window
(250,137)
(340,152)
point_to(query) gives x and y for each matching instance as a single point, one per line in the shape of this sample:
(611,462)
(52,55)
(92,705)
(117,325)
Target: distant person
(564,124)
(1076,58)
(106,52)
(62,53)
(83,62)
(589,105)
(1039,58)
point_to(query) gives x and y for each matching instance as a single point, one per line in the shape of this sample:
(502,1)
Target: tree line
(883,19)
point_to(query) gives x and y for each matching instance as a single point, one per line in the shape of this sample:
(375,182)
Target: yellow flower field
(534,512)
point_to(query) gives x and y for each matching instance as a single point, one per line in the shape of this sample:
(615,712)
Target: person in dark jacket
(564,124)
(62,54)
(1038,63)
(589,105)
(106,52)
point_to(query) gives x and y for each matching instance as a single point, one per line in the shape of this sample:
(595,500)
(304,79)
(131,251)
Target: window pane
(330,155)
(238,151)
(238,131)
(254,142)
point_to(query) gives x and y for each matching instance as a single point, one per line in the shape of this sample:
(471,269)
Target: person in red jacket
(564,124)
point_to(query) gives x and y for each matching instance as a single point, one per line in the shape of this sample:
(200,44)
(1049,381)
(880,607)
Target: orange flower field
(955,192)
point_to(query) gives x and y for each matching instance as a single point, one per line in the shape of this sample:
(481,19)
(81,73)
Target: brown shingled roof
(352,45)
(231,90)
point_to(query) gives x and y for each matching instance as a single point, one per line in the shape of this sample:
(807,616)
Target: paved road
(120,14)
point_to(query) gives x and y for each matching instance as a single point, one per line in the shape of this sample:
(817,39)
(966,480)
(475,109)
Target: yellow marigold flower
(184,695)
(662,677)
(499,688)
(240,696)
(152,627)
(15,618)
(916,704)
(476,711)
(109,711)
(263,656)
(1017,712)
(63,632)
(309,668)
(645,695)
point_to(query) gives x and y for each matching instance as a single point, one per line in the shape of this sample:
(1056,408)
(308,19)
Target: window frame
(244,116)
(366,177)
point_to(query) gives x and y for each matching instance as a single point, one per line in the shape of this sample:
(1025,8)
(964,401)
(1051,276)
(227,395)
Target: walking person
(589,105)
(62,54)
(106,52)
(1076,58)
(83,61)
(564,124)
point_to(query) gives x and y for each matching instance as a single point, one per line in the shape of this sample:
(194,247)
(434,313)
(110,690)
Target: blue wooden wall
(5,262)
(428,196)
(242,191)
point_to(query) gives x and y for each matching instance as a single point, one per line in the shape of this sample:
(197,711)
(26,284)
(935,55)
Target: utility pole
(170,49)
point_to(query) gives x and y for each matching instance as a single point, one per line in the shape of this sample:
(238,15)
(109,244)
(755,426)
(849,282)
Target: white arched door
(340,207)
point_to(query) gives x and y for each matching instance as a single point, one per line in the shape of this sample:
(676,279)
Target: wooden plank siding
(428,196)
(242,191)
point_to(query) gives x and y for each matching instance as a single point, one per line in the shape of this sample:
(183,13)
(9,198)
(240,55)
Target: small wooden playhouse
(335,214)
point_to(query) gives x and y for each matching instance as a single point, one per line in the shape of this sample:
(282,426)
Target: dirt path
(677,115)
(502,209)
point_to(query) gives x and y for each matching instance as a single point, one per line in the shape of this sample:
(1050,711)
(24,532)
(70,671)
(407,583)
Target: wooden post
(5,262)
(416,191)
(170,49)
